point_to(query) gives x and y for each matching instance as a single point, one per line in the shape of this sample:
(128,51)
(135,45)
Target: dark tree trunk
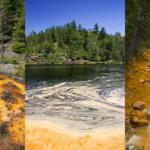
(135,30)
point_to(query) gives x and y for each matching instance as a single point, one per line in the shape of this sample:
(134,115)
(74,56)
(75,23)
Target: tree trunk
(135,30)
(2,28)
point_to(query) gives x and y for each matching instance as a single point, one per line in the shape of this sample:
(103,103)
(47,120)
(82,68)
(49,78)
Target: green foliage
(96,27)
(137,28)
(97,57)
(20,69)
(18,47)
(4,59)
(76,43)
(13,60)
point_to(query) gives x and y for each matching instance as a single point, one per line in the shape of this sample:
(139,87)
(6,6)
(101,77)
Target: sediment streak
(76,106)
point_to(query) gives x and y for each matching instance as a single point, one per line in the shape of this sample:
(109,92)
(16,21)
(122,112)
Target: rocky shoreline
(37,58)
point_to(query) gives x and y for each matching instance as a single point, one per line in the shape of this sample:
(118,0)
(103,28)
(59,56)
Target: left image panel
(12,74)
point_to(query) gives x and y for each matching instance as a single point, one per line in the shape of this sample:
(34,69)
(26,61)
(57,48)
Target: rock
(62,58)
(142,122)
(127,117)
(139,105)
(39,55)
(148,115)
(127,124)
(141,80)
(34,58)
(69,61)
(131,147)
(1,78)
(127,148)
(134,119)
(144,111)
(137,113)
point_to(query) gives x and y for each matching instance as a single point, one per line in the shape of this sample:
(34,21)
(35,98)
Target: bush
(13,60)
(4,59)
(20,69)
(18,47)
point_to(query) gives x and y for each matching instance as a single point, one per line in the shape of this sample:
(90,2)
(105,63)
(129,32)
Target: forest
(12,36)
(76,43)
(137,13)
(13,24)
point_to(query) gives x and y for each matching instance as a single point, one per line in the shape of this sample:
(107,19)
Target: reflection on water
(102,76)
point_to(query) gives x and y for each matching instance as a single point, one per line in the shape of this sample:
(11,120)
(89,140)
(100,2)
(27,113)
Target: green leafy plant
(3,59)
(13,60)
(20,69)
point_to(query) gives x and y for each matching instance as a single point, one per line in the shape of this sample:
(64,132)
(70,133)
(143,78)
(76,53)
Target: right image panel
(137,74)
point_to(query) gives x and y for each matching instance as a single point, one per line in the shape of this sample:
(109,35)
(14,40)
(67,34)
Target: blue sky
(43,14)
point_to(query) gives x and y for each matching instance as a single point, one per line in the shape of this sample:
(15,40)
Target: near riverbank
(42,134)
(138,103)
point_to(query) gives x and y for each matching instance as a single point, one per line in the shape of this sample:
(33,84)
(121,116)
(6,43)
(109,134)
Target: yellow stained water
(137,87)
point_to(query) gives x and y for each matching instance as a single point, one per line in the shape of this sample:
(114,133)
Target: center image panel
(75,76)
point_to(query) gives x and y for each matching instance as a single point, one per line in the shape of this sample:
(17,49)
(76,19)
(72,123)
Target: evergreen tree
(73,25)
(96,28)
(102,34)
(19,35)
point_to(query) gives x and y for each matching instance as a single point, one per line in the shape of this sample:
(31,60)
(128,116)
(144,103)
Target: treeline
(12,22)
(75,43)
(137,29)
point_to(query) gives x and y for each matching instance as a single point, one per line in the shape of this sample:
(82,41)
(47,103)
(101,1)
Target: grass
(79,62)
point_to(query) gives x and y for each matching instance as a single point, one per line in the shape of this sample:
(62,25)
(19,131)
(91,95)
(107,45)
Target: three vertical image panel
(12,75)
(75,75)
(137,74)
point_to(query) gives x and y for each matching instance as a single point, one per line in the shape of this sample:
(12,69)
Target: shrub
(13,60)
(20,69)
(18,47)
(4,59)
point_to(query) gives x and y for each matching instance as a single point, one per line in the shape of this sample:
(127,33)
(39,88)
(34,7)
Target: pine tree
(102,34)
(96,28)
(19,35)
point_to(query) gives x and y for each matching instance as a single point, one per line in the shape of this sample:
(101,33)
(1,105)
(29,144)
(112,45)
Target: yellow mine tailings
(138,89)
(41,135)
(13,113)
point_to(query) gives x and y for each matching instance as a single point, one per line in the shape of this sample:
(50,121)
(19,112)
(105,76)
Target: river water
(82,96)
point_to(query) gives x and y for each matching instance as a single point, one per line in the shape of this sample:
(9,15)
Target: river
(79,98)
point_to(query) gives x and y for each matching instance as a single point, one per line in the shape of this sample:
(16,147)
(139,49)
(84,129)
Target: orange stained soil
(13,113)
(41,135)
(137,87)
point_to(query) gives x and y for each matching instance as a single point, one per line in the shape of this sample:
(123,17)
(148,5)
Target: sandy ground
(41,135)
